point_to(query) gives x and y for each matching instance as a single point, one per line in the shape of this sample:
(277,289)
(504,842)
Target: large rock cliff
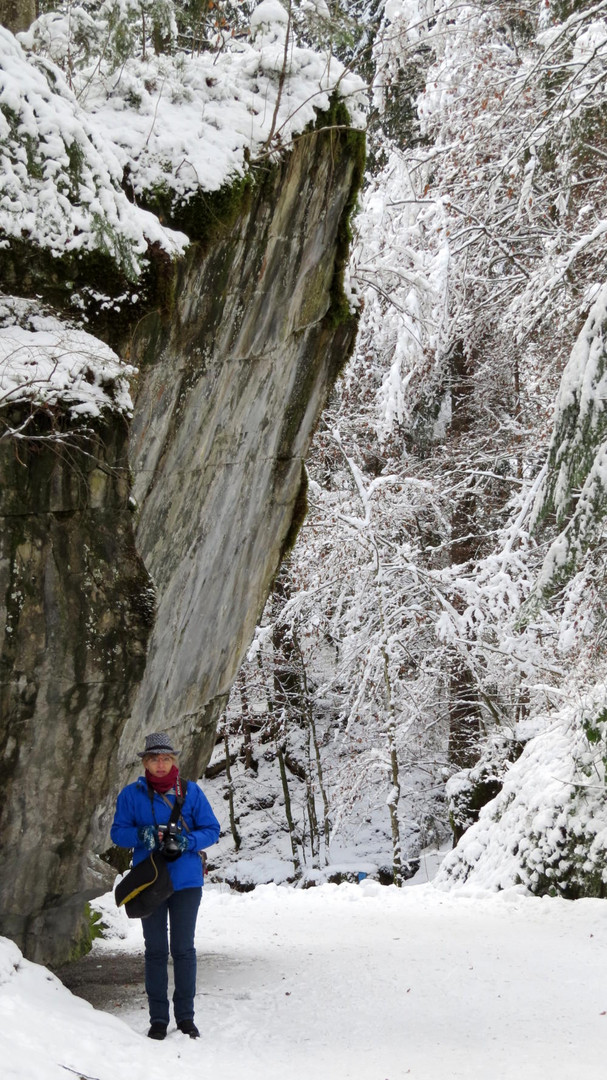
(129,606)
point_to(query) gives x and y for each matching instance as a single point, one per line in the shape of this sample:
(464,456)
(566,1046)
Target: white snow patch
(48,362)
(345,983)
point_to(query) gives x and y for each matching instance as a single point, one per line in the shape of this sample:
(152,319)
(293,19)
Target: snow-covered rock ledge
(78,119)
(46,363)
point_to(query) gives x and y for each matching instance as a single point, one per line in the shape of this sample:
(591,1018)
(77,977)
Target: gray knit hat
(158,743)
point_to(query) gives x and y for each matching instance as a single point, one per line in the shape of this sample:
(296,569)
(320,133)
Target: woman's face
(159,764)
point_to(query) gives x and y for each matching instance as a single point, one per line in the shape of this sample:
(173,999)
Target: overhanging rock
(229,395)
(234,369)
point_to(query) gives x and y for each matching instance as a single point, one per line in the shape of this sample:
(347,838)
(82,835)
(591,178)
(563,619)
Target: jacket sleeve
(205,827)
(125,828)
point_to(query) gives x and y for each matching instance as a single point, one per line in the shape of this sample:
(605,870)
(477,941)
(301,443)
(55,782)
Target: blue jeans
(181,910)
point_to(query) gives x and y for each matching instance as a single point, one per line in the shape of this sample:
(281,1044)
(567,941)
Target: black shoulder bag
(149,883)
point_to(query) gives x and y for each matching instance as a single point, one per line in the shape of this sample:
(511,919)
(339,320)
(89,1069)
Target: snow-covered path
(358,982)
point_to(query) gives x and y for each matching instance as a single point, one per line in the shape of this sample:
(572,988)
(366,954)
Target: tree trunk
(394,797)
(230,785)
(277,729)
(17,15)
(245,719)
(293,834)
(464,709)
(464,716)
(313,739)
(287,683)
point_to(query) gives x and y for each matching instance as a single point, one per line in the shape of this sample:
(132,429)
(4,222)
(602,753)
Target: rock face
(78,612)
(223,420)
(233,377)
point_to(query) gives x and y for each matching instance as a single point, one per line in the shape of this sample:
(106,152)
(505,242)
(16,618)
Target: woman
(142,809)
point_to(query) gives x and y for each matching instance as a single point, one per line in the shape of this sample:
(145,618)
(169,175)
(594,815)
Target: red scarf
(162,784)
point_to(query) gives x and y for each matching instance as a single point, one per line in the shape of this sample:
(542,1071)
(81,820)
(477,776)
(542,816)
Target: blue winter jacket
(134,809)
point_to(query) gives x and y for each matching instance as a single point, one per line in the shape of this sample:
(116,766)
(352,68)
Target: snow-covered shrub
(574,491)
(547,828)
(468,790)
(114,30)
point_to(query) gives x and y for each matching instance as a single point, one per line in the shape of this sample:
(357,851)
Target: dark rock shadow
(108,981)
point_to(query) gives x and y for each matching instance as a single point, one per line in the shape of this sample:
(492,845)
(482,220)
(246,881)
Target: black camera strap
(181,787)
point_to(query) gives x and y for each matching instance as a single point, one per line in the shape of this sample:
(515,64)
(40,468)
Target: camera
(169,845)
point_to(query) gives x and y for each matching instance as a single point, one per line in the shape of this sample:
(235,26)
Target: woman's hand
(146,835)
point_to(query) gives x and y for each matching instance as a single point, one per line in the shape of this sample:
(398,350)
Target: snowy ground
(352,981)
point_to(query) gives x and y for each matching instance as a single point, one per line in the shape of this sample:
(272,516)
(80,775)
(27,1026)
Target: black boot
(157,1030)
(189,1028)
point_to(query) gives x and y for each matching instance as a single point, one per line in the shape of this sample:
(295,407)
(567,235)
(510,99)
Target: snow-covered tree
(455,539)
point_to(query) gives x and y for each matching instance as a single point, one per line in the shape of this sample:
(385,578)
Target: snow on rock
(171,123)
(189,125)
(10,958)
(43,360)
(60,179)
